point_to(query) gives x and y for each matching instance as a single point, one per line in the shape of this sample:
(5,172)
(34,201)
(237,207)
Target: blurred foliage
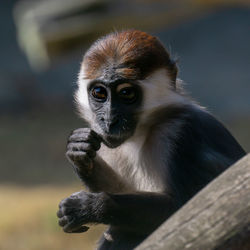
(28,220)
(48,29)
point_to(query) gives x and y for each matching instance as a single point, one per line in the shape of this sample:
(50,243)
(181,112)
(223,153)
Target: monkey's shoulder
(193,123)
(201,148)
(191,134)
(211,133)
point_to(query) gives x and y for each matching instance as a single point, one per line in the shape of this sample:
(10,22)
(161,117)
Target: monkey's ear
(173,70)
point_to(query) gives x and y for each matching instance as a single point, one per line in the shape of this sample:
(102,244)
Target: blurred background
(41,47)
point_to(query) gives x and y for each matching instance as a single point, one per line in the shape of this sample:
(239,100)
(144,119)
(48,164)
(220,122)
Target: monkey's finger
(67,205)
(79,130)
(60,213)
(94,142)
(68,211)
(86,133)
(82,229)
(79,157)
(91,153)
(63,221)
(72,225)
(86,147)
(96,136)
(79,137)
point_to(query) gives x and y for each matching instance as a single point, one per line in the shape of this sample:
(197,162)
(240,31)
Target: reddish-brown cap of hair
(130,54)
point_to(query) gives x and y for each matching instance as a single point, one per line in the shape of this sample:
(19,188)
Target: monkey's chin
(113,141)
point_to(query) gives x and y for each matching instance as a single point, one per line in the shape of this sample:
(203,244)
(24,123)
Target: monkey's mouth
(116,133)
(113,141)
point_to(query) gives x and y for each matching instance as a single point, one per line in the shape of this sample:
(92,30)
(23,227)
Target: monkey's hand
(81,149)
(78,209)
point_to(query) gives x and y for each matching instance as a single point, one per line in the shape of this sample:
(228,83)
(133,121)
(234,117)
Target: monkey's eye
(127,92)
(99,93)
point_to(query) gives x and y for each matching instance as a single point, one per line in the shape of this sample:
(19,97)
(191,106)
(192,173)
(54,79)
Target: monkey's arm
(103,178)
(92,170)
(137,212)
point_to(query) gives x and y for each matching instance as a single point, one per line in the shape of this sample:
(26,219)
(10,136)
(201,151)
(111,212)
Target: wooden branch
(218,217)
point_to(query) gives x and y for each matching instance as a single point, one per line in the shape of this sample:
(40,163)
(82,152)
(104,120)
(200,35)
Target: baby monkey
(148,147)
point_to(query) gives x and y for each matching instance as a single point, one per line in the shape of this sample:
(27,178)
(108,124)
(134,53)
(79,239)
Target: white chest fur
(126,161)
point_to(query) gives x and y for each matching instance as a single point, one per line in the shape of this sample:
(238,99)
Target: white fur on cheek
(82,94)
(156,89)
(81,97)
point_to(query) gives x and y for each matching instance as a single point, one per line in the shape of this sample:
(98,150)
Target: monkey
(148,146)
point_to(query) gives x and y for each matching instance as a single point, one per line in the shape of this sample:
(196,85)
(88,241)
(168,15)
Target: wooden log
(218,217)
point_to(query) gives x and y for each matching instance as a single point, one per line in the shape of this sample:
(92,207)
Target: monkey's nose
(111,125)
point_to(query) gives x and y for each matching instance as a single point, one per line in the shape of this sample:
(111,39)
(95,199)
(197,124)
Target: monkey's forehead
(128,54)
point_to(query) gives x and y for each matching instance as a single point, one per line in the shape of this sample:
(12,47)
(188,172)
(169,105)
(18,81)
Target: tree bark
(218,217)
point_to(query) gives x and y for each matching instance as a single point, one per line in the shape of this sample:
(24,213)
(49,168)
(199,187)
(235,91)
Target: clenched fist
(81,149)
(80,208)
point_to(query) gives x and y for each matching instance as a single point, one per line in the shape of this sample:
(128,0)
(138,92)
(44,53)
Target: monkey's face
(115,107)
(117,72)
